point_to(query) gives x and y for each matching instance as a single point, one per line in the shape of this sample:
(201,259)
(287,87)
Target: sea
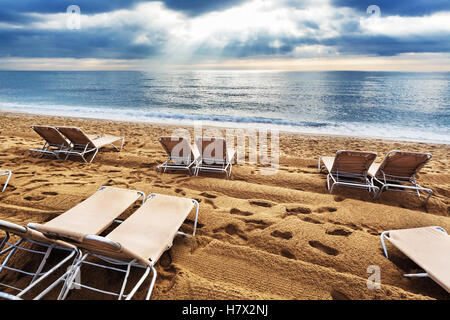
(412,106)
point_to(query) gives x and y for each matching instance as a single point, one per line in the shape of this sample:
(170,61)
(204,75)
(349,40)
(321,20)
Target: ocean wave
(372,130)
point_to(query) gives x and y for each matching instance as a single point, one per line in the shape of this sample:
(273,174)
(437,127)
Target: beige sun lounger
(181,155)
(428,247)
(83,144)
(215,155)
(398,172)
(92,216)
(54,144)
(348,168)
(139,241)
(8,174)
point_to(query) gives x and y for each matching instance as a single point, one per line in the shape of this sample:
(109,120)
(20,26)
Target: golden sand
(279,236)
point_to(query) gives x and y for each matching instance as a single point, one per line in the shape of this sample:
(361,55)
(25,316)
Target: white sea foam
(369,130)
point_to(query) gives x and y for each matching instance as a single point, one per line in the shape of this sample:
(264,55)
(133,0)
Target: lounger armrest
(57,233)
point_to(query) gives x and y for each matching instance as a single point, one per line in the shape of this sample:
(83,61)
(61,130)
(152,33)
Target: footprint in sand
(339,232)
(37,198)
(287,254)
(326,209)
(180,191)
(311,220)
(240,213)
(280,234)
(338,295)
(261,204)
(232,230)
(50,193)
(302,210)
(208,195)
(324,248)
(257,224)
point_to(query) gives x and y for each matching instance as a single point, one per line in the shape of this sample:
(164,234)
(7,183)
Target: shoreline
(259,237)
(223,127)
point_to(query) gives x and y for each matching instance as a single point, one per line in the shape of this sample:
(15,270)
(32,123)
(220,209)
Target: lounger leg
(152,284)
(138,284)
(125,280)
(71,276)
(5,240)
(384,236)
(7,180)
(43,262)
(12,250)
(48,273)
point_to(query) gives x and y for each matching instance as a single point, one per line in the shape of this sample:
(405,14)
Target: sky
(410,35)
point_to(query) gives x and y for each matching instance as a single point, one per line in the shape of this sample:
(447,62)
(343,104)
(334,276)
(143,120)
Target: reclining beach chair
(54,141)
(348,168)
(398,172)
(92,216)
(139,242)
(8,174)
(83,144)
(428,247)
(181,155)
(215,156)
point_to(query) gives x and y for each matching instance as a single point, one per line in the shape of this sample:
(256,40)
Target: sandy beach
(279,236)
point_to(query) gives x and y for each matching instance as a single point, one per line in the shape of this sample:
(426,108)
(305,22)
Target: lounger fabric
(77,136)
(400,164)
(353,162)
(429,248)
(148,232)
(92,216)
(51,135)
(169,144)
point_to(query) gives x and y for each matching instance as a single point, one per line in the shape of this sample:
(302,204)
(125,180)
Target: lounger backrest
(92,216)
(51,135)
(29,234)
(353,162)
(146,234)
(178,148)
(403,164)
(429,248)
(76,136)
(212,150)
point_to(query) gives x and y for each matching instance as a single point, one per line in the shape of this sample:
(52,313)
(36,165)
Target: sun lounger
(8,174)
(181,155)
(215,156)
(139,242)
(83,144)
(428,247)
(54,141)
(348,168)
(398,172)
(92,216)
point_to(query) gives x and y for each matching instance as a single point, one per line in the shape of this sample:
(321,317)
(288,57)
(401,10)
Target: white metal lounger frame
(385,236)
(394,183)
(46,147)
(5,173)
(82,149)
(38,275)
(70,277)
(176,163)
(337,179)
